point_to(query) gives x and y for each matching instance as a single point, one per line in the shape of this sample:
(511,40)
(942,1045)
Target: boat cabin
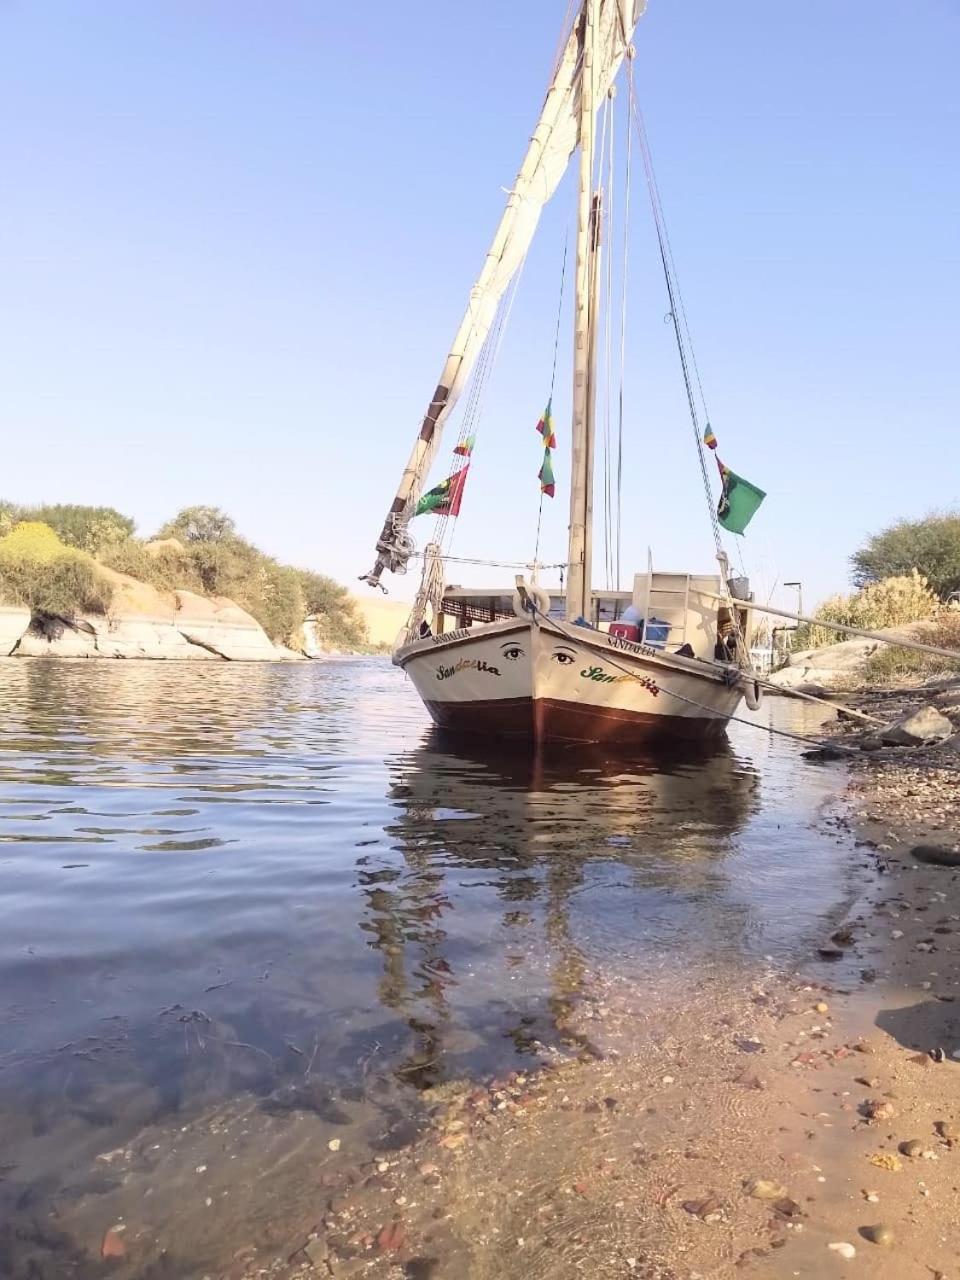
(678,612)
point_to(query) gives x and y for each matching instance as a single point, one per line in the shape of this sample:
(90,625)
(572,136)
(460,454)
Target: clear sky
(236,238)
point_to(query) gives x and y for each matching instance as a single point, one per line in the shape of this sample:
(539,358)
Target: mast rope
(680,326)
(445,528)
(623,312)
(675,317)
(571,632)
(610,187)
(553,378)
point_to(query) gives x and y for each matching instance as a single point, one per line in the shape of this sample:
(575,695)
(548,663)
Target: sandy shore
(807,1124)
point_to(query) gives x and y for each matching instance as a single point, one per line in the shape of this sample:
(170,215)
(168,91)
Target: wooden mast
(584,347)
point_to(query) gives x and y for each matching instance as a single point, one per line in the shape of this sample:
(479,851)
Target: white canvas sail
(551,146)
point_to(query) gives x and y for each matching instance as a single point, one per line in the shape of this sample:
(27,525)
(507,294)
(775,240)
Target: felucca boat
(668,658)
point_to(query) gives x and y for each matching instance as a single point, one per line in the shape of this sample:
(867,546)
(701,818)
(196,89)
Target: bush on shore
(88,529)
(39,572)
(888,665)
(893,602)
(46,567)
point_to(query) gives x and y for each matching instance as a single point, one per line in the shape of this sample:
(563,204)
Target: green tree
(336,613)
(88,529)
(931,546)
(200,524)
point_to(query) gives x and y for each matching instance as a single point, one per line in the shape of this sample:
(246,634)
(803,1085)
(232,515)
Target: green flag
(738,501)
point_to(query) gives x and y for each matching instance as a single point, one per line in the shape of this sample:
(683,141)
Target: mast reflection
(534,830)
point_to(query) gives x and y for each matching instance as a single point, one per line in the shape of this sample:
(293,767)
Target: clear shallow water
(211,874)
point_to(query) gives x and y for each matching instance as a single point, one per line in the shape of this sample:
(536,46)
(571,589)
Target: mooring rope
(692,702)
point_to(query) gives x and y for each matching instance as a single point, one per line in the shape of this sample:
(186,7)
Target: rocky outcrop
(835,664)
(223,628)
(145,623)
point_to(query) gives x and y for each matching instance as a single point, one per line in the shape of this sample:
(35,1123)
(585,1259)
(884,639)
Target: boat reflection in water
(521,879)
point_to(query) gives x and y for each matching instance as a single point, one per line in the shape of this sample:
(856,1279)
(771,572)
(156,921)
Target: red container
(625,630)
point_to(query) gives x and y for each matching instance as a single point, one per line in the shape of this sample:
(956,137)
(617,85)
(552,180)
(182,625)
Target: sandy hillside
(384,617)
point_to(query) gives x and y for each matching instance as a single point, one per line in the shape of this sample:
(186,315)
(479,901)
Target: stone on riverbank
(879,1234)
(925,725)
(838,664)
(935,855)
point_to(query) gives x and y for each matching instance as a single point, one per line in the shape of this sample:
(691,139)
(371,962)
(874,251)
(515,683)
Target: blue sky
(236,239)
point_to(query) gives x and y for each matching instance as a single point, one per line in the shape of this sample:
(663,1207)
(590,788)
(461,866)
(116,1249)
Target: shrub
(893,602)
(86,528)
(892,665)
(930,546)
(166,568)
(38,571)
(338,623)
(199,524)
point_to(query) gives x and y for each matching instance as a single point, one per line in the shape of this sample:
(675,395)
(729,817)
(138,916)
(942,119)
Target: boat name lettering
(475,664)
(598,673)
(644,650)
(452,635)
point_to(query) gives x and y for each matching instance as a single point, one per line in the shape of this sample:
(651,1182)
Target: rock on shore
(145,623)
(835,664)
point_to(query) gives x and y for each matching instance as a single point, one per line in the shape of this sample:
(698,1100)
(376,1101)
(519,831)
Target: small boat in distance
(668,658)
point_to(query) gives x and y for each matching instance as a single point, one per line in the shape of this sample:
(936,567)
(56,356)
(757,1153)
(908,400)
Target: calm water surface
(285,864)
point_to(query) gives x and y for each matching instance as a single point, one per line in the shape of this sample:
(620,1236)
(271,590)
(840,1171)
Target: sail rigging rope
(553,376)
(445,527)
(680,326)
(676,318)
(623,313)
(608,220)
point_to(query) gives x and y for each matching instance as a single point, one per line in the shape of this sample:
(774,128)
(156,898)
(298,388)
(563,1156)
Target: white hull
(538,681)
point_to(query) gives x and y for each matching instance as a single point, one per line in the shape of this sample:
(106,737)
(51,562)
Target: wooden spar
(838,626)
(581,471)
(823,702)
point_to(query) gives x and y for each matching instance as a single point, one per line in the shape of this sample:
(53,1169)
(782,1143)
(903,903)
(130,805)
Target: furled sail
(545,163)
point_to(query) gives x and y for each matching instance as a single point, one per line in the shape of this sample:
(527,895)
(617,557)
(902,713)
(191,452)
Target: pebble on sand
(877,1109)
(845,1250)
(913,1148)
(879,1234)
(334,1144)
(761,1189)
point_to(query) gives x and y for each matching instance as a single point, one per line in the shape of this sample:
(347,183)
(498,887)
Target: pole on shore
(837,626)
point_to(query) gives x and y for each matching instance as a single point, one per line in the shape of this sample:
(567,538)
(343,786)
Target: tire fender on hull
(753,694)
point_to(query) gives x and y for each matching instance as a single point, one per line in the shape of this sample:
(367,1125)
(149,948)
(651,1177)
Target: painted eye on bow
(563,656)
(513,652)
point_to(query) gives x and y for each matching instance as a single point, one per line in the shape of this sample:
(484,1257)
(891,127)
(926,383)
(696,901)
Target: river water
(221,880)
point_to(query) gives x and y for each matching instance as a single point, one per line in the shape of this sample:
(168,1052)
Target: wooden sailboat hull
(540,683)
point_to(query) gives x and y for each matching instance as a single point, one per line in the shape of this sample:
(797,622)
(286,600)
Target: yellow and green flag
(547,482)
